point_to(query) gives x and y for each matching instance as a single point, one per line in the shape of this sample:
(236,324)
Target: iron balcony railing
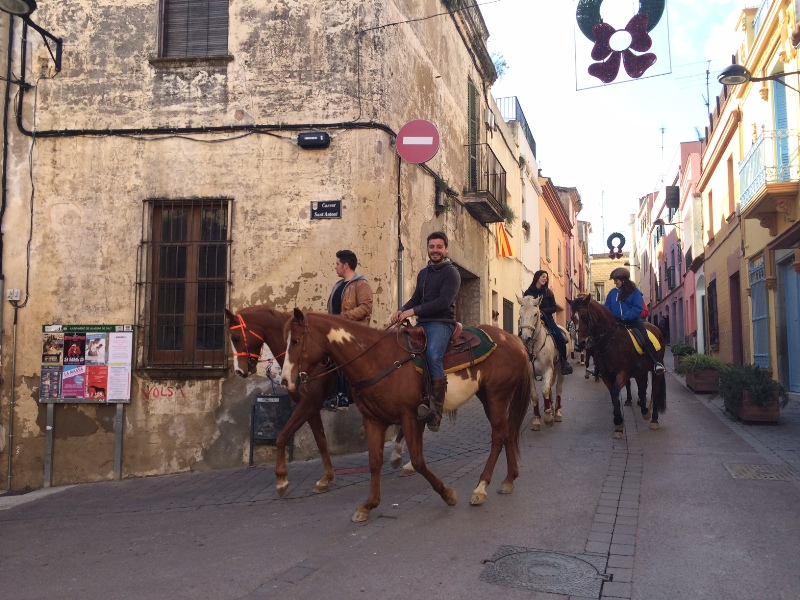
(773,158)
(486,174)
(511,110)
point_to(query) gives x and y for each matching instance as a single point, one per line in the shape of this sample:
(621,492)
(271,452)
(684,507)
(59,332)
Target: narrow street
(673,513)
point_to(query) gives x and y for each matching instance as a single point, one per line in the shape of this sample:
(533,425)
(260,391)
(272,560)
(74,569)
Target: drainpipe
(10,448)
(399,240)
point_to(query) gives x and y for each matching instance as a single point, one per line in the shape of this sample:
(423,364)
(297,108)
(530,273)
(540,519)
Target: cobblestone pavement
(655,515)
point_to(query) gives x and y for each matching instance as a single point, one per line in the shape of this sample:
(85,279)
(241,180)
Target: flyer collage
(86,363)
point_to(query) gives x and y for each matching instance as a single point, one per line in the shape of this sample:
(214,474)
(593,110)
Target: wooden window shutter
(195,28)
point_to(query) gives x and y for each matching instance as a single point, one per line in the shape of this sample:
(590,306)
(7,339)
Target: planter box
(749,410)
(677,358)
(705,381)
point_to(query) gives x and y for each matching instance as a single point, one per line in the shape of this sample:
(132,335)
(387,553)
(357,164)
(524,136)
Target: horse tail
(660,392)
(519,408)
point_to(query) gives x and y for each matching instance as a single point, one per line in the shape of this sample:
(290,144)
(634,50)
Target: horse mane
(265,307)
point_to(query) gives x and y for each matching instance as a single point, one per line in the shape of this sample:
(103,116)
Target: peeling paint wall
(291,62)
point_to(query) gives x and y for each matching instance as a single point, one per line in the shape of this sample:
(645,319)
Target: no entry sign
(418,141)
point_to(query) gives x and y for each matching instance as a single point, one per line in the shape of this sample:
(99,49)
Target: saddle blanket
(636,344)
(470,348)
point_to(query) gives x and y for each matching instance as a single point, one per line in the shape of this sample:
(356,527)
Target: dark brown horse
(617,359)
(390,389)
(250,329)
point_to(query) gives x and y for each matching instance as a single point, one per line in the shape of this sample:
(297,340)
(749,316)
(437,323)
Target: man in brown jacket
(350,298)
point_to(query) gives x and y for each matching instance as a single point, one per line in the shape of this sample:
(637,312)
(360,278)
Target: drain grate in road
(767,472)
(552,572)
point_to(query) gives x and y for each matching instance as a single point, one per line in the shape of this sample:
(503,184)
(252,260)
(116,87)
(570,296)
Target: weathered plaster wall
(292,62)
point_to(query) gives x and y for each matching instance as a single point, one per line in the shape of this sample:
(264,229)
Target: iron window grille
(194,28)
(183,284)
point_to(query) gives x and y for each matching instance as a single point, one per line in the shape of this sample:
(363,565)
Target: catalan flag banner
(504,249)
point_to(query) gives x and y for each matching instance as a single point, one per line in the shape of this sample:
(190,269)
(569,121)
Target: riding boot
(566,368)
(432,414)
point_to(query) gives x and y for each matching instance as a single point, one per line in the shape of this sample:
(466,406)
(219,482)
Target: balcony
(769,178)
(486,191)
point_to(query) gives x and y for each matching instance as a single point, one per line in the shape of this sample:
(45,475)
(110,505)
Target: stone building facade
(165,180)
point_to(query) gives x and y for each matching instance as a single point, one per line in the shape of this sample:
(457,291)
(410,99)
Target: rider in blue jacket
(625,302)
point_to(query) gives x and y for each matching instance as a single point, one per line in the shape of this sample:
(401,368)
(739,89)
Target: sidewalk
(656,515)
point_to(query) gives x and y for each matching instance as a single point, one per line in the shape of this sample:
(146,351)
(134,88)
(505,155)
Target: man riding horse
(434,305)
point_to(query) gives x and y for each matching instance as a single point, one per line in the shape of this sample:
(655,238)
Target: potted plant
(679,350)
(508,214)
(750,393)
(702,372)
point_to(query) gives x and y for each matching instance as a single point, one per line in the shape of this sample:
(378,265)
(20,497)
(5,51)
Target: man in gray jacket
(434,305)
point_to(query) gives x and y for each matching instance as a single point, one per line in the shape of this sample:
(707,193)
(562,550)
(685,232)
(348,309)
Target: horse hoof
(558,416)
(505,488)
(648,415)
(282,489)
(320,487)
(548,420)
(478,499)
(450,497)
(396,462)
(407,471)
(537,424)
(628,403)
(655,426)
(360,516)
(617,435)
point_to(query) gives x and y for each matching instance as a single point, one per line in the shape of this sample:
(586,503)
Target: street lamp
(23,9)
(737,75)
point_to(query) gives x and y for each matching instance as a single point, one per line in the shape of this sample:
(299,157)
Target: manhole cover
(768,472)
(551,572)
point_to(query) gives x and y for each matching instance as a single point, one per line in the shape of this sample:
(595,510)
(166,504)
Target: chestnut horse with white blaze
(544,356)
(250,329)
(389,390)
(618,360)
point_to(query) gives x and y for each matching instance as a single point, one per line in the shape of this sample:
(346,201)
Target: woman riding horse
(539,288)
(625,302)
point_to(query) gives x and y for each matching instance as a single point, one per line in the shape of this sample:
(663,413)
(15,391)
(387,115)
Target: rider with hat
(625,302)
(539,288)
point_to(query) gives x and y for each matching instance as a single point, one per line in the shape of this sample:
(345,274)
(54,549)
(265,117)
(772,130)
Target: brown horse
(617,359)
(390,389)
(253,327)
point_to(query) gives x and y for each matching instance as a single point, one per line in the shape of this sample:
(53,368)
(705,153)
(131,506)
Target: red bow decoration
(635,64)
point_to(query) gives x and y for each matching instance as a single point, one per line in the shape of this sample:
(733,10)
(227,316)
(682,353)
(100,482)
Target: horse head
(530,318)
(302,351)
(245,342)
(583,320)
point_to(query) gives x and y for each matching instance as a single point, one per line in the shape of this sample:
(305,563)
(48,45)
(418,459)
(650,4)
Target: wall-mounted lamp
(737,75)
(23,9)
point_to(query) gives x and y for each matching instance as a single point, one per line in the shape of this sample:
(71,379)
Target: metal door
(791,301)
(758,298)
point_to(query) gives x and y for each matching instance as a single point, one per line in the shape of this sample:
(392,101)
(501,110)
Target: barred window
(194,28)
(184,283)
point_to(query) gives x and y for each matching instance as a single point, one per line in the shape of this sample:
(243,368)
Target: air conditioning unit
(491,120)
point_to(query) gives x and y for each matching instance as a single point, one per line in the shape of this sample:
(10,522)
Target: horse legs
(536,425)
(615,386)
(412,428)
(500,439)
(397,455)
(629,399)
(547,393)
(641,383)
(304,411)
(376,433)
(559,385)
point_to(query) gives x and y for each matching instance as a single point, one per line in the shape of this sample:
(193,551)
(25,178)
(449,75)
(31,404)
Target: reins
(252,357)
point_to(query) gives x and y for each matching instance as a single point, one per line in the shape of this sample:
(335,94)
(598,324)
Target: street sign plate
(418,141)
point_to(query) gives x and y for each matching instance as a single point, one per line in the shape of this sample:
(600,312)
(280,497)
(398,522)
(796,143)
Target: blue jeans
(438,335)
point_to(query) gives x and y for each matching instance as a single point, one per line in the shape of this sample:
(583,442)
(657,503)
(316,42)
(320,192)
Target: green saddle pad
(464,352)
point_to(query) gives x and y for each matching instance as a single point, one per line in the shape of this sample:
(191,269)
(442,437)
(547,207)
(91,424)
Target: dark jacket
(547,304)
(434,298)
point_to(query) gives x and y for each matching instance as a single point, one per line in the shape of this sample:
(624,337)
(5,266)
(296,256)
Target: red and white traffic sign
(418,141)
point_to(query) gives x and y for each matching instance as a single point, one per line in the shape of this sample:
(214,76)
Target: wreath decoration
(610,243)
(634,57)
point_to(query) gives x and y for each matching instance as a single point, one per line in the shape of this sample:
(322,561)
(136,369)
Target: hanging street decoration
(620,239)
(625,43)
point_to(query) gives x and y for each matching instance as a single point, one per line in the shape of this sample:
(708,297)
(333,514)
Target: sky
(607,141)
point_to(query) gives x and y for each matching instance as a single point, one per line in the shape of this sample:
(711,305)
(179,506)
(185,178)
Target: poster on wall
(86,363)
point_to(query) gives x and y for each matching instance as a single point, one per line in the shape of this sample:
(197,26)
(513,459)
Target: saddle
(466,347)
(637,343)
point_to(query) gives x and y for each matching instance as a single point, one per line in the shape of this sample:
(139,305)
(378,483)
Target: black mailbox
(270,413)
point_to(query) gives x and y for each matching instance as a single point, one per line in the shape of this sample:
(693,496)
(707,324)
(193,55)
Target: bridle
(252,357)
(303,377)
(532,352)
(590,321)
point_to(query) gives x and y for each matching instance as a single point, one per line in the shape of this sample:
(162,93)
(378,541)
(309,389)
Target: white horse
(546,361)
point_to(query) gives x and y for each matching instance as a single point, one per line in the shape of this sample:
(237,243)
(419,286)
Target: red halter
(251,356)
